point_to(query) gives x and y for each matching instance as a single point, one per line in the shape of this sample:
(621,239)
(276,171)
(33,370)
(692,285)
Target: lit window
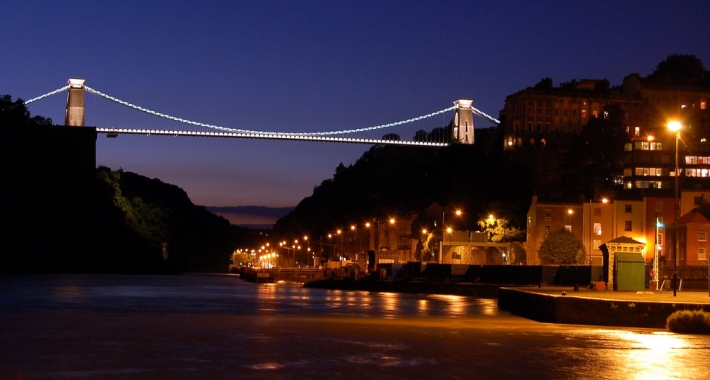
(596,244)
(702,254)
(659,239)
(637,131)
(702,235)
(703,104)
(584,113)
(597,228)
(595,113)
(568,227)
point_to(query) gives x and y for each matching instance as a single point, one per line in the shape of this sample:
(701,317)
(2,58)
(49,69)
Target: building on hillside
(390,239)
(628,219)
(597,221)
(693,247)
(538,115)
(658,213)
(544,218)
(545,115)
(646,221)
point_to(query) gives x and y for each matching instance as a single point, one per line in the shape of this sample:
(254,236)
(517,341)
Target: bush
(689,322)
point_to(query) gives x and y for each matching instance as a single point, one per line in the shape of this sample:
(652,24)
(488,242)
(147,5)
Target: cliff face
(61,214)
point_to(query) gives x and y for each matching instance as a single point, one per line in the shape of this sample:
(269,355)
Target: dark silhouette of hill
(394,181)
(61,214)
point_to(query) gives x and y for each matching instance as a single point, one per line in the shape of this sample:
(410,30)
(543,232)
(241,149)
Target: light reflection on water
(287,331)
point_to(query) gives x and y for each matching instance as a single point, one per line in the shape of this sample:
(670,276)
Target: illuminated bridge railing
(112,132)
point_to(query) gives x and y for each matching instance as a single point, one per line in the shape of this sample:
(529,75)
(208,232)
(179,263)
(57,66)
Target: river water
(209,326)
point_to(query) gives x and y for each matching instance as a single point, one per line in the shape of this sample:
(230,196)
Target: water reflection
(656,355)
(224,326)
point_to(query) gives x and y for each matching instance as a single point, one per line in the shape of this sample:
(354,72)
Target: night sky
(313,65)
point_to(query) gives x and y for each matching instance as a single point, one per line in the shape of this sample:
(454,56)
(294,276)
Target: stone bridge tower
(75,104)
(463,122)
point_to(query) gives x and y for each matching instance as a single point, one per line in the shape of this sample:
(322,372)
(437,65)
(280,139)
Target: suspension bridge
(459,127)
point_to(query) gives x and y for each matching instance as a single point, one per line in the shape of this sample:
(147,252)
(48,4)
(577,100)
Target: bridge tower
(463,122)
(75,104)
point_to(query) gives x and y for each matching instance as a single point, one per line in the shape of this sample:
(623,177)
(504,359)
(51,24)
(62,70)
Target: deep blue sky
(314,65)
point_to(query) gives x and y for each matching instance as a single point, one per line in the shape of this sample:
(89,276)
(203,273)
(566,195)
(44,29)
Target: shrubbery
(689,322)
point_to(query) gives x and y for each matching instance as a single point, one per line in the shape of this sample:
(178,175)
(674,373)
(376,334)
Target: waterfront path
(603,308)
(685,297)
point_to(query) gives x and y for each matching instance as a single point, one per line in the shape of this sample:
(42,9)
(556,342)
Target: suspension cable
(484,115)
(212,126)
(185,121)
(47,94)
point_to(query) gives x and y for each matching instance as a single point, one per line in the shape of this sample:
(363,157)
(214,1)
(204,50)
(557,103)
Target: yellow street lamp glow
(367,224)
(448,230)
(340,232)
(674,126)
(424,231)
(392,221)
(352,228)
(458,212)
(569,211)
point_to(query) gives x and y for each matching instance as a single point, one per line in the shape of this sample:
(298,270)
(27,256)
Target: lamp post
(340,256)
(675,126)
(443,234)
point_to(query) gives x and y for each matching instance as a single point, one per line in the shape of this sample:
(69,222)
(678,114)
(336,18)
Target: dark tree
(561,247)
(15,114)
(421,135)
(680,69)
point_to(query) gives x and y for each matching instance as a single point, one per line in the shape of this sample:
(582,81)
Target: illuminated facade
(693,229)
(596,222)
(542,114)
(544,218)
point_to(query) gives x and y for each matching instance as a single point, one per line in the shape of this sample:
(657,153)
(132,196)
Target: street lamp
(675,126)
(340,256)
(443,233)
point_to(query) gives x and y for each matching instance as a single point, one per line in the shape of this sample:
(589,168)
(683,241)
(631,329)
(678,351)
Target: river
(211,326)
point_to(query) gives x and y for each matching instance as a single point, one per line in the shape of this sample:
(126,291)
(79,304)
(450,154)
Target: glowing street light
(443,234)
